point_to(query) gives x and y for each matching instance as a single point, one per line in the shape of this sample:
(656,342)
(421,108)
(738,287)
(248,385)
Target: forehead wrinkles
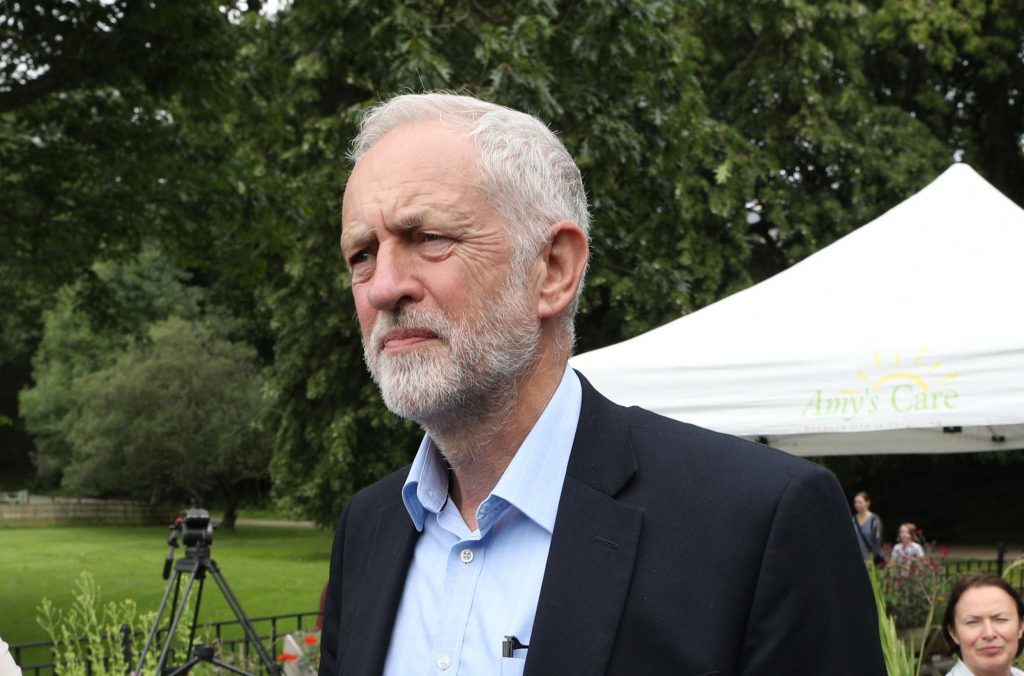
(412,202)
(428,194)
(414,174)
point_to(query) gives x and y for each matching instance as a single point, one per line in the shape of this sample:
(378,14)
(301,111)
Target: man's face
(445,322)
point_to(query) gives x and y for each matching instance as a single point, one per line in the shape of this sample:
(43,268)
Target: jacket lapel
(380,591)
(593,548)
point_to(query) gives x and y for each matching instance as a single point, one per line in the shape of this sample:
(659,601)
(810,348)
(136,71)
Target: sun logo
(899,373)
(903,386)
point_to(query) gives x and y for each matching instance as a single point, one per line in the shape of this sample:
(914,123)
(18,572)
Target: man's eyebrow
(409,221)
(358,238)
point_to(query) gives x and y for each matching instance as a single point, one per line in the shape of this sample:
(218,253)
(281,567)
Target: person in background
(869,529)
(7,664)
(983,624)
(907,549)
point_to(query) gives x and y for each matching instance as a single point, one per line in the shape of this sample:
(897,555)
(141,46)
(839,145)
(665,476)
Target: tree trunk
(230,510)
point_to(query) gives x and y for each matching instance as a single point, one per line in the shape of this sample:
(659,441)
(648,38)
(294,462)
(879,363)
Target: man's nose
(394,279)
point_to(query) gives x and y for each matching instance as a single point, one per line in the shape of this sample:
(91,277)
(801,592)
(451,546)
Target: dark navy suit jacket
(676,550)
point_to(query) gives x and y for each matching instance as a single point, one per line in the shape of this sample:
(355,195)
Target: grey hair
(527,174)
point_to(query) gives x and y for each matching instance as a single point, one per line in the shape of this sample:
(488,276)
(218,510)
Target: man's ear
(562,263)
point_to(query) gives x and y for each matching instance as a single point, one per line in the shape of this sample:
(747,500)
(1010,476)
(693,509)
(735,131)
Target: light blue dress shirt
(466,590)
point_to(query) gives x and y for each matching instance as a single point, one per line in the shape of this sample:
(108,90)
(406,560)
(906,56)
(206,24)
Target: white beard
(470,374)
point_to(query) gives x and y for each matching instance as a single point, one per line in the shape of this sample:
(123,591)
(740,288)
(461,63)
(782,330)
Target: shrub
(916,588)
(89,638)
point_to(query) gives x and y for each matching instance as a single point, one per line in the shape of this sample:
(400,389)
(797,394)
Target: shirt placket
(462,574)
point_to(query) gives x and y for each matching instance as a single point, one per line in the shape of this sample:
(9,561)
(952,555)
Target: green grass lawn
(271,569)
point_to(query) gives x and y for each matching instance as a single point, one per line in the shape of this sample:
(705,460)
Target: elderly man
(542,529)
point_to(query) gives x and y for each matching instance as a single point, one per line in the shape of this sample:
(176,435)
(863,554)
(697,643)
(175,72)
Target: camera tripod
(196,563)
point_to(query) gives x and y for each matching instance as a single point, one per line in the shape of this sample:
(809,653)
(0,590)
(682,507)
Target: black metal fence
(36,658)
(999,566)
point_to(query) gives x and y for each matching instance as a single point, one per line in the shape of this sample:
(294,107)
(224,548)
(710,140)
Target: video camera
(196,528)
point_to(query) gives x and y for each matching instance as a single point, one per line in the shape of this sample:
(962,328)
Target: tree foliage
(709,167)
(148,398)
(821,155)
(611,77)
(117,129)
(111,133)
(720,142)
(170,417)
(958,66)
(78,340)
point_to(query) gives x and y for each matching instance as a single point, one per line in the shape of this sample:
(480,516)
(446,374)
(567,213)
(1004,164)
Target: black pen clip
(510,645)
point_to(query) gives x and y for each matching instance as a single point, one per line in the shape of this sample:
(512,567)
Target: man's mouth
(399,339)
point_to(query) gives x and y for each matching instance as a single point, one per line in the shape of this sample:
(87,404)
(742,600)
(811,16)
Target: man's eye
(358,257)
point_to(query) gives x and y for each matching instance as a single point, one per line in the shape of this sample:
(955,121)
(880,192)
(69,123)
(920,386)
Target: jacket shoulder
(654,435)
(378,494)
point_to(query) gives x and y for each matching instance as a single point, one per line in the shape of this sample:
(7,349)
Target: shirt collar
(533,480)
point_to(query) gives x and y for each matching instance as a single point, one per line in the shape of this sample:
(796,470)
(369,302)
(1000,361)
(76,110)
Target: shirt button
(443,662)
(466,555)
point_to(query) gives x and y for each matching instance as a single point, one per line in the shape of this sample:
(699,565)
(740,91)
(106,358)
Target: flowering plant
(301,653)
(915,587)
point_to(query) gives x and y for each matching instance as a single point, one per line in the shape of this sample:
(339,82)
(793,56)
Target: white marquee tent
(905,336)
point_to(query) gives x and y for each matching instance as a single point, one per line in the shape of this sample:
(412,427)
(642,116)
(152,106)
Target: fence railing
(961,566)
(23,509)
(36,658)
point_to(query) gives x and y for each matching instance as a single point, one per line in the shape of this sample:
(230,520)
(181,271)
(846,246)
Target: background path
(273,522)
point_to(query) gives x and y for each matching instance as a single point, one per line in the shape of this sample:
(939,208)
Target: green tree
(117,128)
(821,155)
(720,143)
(609,76)
(170,417)
(958,67)
(78,340)
(96,103)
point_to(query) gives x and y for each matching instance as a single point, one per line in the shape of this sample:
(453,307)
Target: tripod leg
(185,668)
(243,619)
(195,615)
(177,618)
(172,583)
(230,667)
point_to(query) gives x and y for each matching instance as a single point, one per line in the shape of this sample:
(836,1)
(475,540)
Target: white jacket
(7,665)
(961,669)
